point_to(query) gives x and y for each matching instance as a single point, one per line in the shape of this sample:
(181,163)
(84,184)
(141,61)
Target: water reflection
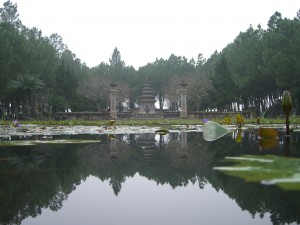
(44,176)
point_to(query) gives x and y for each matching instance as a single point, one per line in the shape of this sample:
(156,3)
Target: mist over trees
(40,75)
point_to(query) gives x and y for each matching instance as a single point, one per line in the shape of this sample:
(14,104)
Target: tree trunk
(160,102)
(17,108)
(197,106)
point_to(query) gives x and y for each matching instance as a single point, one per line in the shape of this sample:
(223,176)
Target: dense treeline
(40,76)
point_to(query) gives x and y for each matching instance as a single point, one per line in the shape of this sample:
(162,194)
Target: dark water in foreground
(140,179)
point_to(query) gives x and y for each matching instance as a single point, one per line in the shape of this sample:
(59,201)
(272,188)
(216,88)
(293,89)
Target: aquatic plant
(110,124)
(239,120)
(227,120)
(257,120)
(16,123)
(239,136)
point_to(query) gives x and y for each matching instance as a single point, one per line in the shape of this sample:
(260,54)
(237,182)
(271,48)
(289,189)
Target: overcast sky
(144,30)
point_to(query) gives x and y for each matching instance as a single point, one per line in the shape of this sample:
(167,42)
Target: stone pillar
(113,101)
(183,92)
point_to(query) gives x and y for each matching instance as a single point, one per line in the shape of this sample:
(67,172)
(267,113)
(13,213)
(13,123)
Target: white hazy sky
(144,30)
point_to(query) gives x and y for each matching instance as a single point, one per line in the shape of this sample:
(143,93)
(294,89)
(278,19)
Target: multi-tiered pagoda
(147,100)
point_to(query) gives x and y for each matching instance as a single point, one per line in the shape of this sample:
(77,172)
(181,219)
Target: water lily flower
(16,123)
(205,120)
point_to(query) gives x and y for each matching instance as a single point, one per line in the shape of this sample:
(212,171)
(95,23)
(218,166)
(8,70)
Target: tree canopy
(252,71)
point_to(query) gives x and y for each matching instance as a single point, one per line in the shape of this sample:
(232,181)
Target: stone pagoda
(147,100)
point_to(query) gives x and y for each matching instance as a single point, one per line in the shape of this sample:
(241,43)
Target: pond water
(140,179)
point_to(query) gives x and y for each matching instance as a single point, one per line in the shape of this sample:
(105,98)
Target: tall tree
(66,84)
(116,65)
(28,86)
(244,57)
(41,56)
(95,88)
(281,46)
(199,86)
(9,14)
(223,94)
(115,60)
(57,42)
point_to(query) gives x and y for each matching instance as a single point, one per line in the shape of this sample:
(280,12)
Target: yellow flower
(239,120)
(227,120)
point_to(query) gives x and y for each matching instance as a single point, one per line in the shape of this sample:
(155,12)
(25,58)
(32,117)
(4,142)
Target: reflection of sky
(141,201)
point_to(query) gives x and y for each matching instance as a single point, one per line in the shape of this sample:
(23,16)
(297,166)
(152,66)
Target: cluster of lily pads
(268,170)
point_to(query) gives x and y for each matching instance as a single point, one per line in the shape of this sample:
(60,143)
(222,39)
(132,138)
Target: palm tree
(28,86)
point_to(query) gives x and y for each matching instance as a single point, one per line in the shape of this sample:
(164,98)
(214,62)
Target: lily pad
(111,136)
(268,170)
(213,131)
(267,133)
(162,132)
(36,142)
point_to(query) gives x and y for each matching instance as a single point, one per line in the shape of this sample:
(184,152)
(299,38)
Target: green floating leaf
(213,131)
(268,170)
(111,122)
(36,142)
(162,132)
(111,136)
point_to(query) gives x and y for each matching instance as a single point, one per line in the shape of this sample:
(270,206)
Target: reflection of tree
(257,199)
(200,180)
(30,184)
(29,187)
(57,200)
(116,184)
(27,161)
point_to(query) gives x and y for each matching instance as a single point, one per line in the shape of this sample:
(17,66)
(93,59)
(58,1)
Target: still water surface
(140,179)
